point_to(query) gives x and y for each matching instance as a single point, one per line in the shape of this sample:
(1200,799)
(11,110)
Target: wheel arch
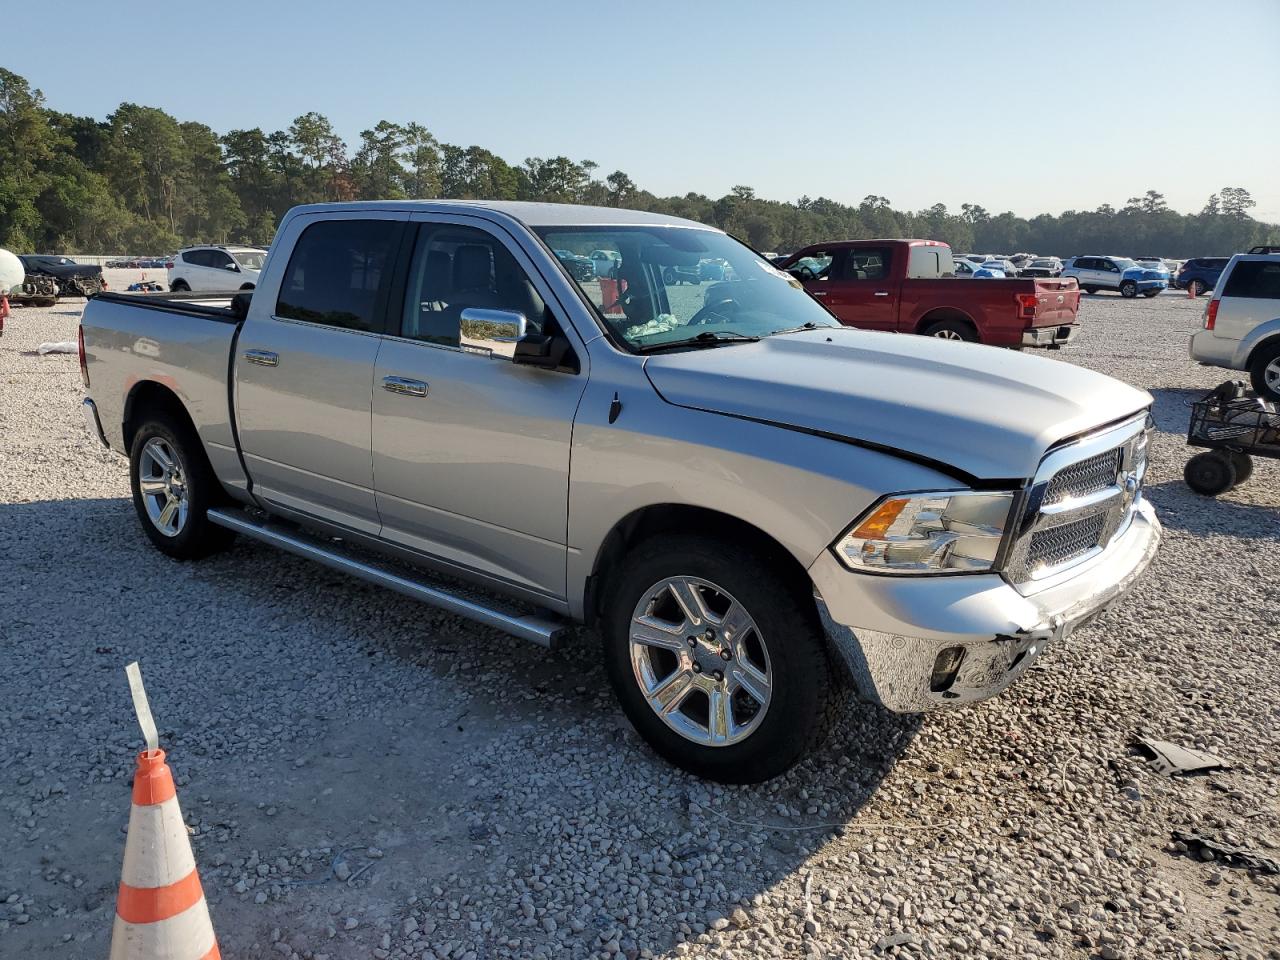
(1261,337)
(657,519)
(146,397)
(940,314)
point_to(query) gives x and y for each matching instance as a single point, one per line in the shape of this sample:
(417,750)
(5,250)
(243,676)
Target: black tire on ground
(1210,473)
(805,688)
(1091,290)
(669,276)
(1151,293)
(1196,288)
(1244,467)
(1128,289)
(952,330)
(1264,370)
(197,537)
(180,286)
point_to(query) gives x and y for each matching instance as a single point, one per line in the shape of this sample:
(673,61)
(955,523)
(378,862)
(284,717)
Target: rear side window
(336,272)
(867,263)
(197,258)
(1256,279)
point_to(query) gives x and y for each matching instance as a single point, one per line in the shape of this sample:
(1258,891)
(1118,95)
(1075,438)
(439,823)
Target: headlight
(928,533)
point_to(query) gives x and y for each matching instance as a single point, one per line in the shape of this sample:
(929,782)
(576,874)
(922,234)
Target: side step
(541,630)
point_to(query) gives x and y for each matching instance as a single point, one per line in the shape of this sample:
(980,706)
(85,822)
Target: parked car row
(139,263)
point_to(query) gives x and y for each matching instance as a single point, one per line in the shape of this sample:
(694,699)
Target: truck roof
(528,213)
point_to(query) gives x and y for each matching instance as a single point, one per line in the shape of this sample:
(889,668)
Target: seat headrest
(436,275)
(472,268)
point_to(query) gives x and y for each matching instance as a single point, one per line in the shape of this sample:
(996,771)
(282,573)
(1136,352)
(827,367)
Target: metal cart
(1234,426)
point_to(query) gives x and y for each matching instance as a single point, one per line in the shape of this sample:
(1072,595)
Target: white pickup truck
(753,503)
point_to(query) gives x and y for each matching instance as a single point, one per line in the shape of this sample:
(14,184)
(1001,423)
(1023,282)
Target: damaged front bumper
(915,644)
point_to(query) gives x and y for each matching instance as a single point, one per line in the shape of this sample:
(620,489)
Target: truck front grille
(1058,545)
(1085,478)
(1081,499)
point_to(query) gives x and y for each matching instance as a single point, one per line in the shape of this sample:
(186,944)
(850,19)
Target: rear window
(1255,279)
(336,271)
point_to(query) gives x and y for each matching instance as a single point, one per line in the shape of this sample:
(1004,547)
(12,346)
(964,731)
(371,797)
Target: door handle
(404,386)
(882,293)
(264,357)
(819,293)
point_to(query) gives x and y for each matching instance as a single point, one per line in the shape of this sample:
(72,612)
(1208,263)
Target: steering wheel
(725,310)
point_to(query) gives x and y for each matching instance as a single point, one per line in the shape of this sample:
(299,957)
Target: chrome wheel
(163,484)
(1271,376)
(948,334)
(701,661)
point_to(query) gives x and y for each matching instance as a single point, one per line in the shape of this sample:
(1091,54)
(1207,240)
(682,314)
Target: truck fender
(1263,333)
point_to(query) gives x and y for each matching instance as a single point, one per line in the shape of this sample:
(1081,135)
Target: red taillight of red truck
(1028,304)
(84,361)
(1211,314)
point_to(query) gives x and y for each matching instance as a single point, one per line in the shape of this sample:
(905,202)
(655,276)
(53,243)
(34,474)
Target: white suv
(1242,322)
(217,268)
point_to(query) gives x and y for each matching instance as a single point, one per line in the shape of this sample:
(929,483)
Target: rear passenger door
(304,367)
(470,450)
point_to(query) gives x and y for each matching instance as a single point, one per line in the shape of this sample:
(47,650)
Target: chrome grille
(1058,545)
(1086,477)
(1082,497)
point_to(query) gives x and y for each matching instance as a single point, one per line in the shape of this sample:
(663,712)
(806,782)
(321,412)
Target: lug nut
(725,655)
(697,667)
(717,676)
(709,635)
(693,641)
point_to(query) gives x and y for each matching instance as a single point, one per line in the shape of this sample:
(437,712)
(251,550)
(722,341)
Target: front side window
(335,272)
(725,291)
(867,263)
(456,268)
(250,259)
(1255,279)
(219,259)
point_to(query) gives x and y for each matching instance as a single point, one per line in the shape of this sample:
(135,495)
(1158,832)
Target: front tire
(1264,371)
(1091,290)
(1128,289)
(1151,293)
(173,489)
(720,665)
(179,286)
(1210,473)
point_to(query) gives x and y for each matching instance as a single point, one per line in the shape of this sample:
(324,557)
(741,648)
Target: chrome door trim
(265,358)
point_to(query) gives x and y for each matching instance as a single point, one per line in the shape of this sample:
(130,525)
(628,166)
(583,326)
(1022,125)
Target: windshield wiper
(800,329)
(708,338)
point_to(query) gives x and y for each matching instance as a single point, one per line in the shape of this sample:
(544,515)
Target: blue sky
(1022,106)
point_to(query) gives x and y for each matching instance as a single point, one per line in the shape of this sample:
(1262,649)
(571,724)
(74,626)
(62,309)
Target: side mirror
(543,350)
(232,267)
(501,326)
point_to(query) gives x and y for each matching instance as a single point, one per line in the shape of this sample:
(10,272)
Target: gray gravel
(365,776)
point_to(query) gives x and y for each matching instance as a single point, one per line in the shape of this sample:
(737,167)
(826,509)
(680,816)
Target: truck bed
(177,342)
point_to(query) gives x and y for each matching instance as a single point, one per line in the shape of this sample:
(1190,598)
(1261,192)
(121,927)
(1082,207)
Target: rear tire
(1151,293)
(1128,289)
(1091,290)
(952,330)
(179,286)
(1264,370)
(1210,473)
(779,649)
(1196,287)
(173,489)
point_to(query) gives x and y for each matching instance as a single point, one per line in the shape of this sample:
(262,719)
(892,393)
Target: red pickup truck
(909,286)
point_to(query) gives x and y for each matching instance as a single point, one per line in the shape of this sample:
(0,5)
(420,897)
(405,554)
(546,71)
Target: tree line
(143,181)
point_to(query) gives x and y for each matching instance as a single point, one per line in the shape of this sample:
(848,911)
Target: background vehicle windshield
(250,259)
(672,283)
(1124,264)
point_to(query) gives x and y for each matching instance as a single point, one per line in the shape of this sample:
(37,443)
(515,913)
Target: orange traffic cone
(1191,290)
(161,912)
(4,313)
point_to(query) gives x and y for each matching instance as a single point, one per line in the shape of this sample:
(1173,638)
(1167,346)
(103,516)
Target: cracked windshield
(658,287)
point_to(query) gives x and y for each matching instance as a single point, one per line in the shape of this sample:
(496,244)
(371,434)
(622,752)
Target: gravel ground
(366,776)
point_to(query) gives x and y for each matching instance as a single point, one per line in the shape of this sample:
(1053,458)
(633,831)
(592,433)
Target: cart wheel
(1244,468)
(1210,474)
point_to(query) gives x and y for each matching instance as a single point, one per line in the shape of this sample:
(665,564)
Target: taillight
(1028,303)
(84,361)
(1211,314)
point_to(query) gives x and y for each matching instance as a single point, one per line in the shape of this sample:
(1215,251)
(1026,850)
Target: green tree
(27,147)
(376,169)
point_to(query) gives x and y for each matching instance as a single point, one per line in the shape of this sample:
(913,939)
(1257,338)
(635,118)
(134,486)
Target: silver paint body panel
(513,476)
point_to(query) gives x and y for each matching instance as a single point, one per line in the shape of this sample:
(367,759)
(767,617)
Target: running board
(541,630)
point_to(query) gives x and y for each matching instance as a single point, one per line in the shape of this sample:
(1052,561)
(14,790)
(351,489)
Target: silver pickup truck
(754,504)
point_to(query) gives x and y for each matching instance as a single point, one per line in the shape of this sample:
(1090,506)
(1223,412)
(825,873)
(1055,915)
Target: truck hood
(987,412)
